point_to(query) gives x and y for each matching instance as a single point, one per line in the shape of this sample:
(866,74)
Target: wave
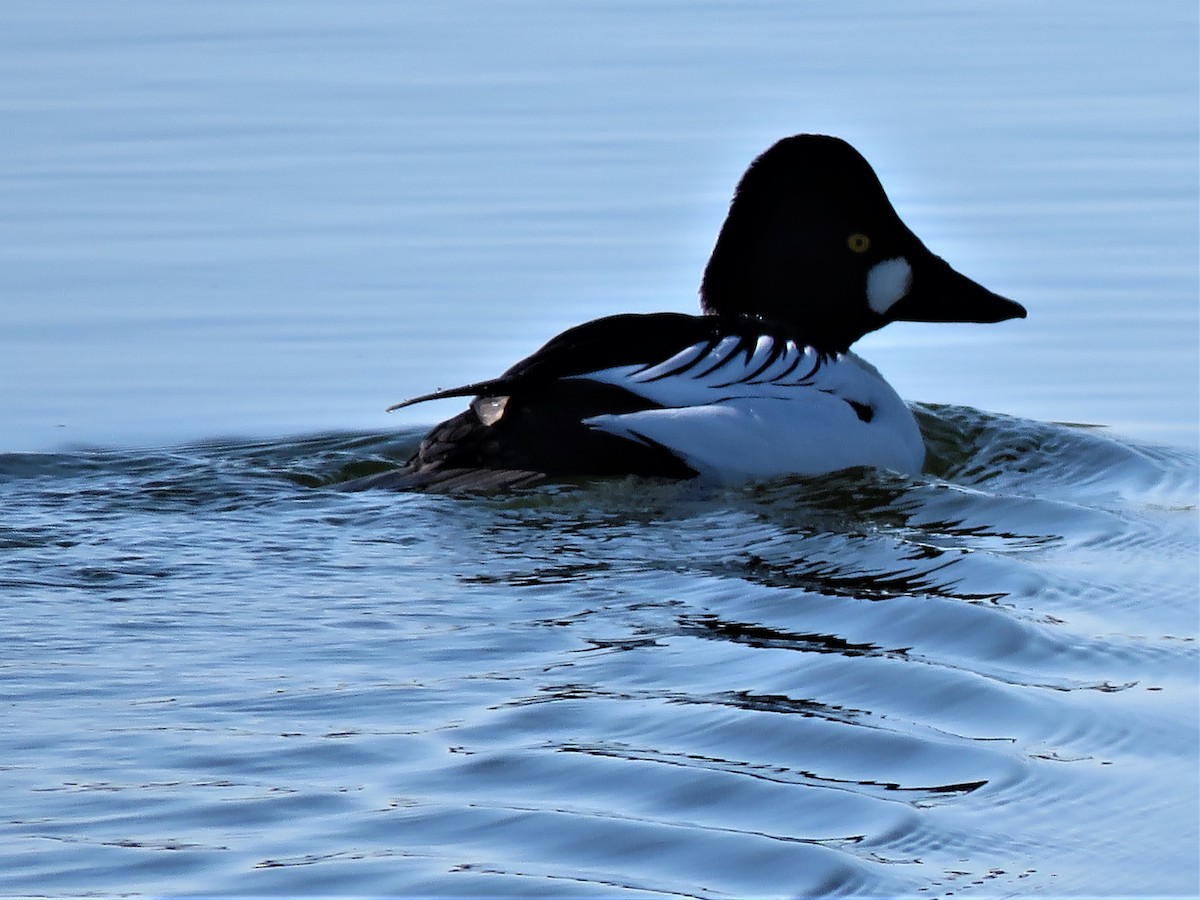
(863,683)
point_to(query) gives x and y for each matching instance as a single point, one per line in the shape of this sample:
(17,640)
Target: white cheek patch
(888,282)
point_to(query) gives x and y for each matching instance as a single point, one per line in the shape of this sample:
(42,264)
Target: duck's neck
(814,324)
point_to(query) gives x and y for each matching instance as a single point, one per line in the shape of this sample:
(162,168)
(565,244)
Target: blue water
(230,234)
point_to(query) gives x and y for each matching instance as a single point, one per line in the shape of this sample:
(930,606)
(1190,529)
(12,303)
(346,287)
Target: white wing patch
(758,408)
(708,373)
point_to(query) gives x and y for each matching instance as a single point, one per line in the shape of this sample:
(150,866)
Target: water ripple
(862,684)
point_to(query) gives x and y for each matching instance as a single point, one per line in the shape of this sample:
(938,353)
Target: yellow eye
(858,242)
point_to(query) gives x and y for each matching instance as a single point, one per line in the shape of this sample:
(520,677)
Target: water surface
(225,677)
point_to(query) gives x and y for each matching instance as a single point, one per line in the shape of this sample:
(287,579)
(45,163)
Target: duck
(761,384)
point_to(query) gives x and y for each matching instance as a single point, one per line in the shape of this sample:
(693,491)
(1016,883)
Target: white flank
(728,420)
(887,282)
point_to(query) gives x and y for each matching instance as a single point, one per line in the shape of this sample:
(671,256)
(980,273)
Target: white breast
(773,409)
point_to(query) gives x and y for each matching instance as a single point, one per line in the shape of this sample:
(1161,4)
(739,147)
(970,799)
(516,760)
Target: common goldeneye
(811,257)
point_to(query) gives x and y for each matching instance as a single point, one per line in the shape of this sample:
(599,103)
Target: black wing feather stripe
(772,356)
(778,349)
(723,361)
(806,380)
(683,367)
(778,379)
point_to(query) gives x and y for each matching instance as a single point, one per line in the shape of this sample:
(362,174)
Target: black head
(811,239)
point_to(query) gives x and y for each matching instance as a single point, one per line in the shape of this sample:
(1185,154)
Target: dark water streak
(223,677)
